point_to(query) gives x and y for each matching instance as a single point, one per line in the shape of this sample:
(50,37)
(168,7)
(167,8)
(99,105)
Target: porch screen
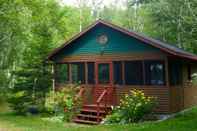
(117,66)
(175,72)
(91,78)
(61,73)
(103,74)
(133,73)
(78,73)
(155,72)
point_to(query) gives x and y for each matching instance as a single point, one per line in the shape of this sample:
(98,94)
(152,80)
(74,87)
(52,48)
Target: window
(103,74)
(175,73)
(117,66)
(78,73)
(133,73)
(91,78)
(61,73)
(155,73)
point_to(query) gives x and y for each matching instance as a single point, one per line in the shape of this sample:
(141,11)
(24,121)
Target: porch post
(96,73)
(70,73)
(111,73)
(144,74)
(167,72)
(86,73)
(168,84)
(123,72)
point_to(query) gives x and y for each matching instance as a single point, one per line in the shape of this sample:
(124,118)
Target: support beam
(123,72)
(70,72)
(167,72)
(144,70)
(86,73)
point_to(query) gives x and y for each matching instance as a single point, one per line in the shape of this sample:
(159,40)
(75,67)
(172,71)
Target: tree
(175,21)
(48,25)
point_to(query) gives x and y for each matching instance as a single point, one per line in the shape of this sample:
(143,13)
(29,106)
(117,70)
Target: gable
(118,43)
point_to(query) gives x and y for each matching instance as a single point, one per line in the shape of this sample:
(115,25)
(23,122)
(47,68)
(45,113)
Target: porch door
(104,79)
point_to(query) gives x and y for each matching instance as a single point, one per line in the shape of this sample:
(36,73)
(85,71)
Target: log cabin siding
(176,98)
(117,43)
(161,93)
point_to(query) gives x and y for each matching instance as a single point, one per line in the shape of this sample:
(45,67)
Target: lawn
(183,122)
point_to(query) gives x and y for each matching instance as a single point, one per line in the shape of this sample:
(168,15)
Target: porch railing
(103,96)
(80,93)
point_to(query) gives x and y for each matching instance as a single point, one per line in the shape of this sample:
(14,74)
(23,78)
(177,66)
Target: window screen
(61,73)
(175,73)
(103,74)
(91,78)
(117,67)
(133,73)
(155,72)
(78,73)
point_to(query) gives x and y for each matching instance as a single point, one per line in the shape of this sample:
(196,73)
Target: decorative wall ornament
(102,39)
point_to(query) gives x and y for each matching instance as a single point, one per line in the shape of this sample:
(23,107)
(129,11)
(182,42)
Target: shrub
(20,102)
(64,102)
(132,108)
(194,78)
(3,103)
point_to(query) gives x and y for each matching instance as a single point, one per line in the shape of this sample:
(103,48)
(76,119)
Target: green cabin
(108,61)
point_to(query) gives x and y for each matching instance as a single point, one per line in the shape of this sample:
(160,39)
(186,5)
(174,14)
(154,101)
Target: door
(103,80)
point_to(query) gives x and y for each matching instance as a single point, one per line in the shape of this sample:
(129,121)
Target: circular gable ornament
(102,39)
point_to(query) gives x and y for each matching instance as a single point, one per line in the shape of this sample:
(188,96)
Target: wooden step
(94,111)
(85,121)
(89,116)
(94,106)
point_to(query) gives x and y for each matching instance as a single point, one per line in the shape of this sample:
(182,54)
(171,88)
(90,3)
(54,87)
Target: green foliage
(133,107)
(183,122)
(64,102)
(30,29)
(29,89)
(194,78)
(20,102)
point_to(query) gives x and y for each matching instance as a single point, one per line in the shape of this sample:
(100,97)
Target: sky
(72,2)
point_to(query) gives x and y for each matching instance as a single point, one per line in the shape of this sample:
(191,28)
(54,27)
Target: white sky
(72,2)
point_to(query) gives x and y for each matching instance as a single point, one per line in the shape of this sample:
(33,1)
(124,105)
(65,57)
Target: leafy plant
(64,102)
(20,101)
(133,107)
(194,78)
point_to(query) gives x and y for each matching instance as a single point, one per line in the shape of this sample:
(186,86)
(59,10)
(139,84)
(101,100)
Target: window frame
(148,79)
(87,73)
(56,77)
(121,73)
(138,83)
(83,80)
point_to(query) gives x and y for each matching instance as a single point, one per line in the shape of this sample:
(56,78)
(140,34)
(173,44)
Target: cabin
(108,61)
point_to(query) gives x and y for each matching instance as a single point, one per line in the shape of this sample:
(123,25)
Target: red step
(85,121)
(94,111)
(88,114)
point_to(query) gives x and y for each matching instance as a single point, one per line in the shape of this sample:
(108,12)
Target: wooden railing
(103,96)
(81,92)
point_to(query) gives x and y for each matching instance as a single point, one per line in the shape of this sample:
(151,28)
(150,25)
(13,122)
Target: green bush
(3,103)
(133,107)
(20,101)
(64,102)
(194,78)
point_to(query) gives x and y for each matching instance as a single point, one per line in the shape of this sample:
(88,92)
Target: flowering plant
(133,107)
(64,102)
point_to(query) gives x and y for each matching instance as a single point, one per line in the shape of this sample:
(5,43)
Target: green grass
(183,122)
